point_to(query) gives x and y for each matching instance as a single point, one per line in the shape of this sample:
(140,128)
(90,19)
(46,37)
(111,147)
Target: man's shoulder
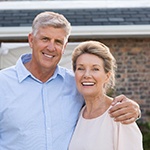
(6,71)
(7,74)
(66,72)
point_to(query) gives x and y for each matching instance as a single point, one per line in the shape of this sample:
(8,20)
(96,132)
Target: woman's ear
(108,76)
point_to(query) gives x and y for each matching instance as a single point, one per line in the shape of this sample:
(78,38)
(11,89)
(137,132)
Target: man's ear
(30,39)
(63,51)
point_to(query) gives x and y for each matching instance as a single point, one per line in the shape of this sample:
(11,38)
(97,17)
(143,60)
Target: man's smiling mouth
(49,56)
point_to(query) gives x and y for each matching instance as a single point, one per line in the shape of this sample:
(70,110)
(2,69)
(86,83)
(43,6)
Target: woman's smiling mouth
(88,83)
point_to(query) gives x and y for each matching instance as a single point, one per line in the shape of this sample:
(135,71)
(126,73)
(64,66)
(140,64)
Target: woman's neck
(96,106)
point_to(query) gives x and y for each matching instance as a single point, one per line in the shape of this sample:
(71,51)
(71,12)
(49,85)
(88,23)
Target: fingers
(125,118)
(120,109)
(118,99)
(126,111)
(128,121)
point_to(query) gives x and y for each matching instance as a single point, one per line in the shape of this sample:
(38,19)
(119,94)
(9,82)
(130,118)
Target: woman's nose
(87,74)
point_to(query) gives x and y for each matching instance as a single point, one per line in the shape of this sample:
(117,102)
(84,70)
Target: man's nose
(51,46)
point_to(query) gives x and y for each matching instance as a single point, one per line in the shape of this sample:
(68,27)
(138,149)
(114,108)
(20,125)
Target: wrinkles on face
(47,48)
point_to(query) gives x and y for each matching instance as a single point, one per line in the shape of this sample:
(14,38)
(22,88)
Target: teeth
(48,56)
(88,84)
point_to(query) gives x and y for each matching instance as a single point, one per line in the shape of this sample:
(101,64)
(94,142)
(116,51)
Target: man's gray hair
(52,19)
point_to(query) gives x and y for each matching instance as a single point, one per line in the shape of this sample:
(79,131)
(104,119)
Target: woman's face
(90,75)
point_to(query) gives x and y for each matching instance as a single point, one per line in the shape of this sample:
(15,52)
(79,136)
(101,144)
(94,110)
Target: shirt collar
(23,73)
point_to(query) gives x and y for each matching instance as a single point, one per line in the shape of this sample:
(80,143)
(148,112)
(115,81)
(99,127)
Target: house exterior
(124,28)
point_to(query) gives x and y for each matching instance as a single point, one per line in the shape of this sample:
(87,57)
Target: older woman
(94,68)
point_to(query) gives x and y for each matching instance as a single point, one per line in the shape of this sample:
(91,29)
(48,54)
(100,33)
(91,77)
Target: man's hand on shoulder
(124,110)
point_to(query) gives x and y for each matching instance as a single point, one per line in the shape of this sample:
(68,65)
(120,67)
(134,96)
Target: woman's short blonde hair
(103,52)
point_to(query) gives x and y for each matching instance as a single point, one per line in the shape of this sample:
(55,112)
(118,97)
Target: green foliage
(110,92)
(145,129)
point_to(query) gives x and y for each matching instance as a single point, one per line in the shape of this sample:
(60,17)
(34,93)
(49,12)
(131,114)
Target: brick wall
(133,75)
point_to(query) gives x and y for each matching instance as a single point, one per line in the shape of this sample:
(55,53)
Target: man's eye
(59,42)
(45,39)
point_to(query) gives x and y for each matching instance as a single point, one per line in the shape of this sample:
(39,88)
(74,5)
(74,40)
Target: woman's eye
(96,69)
(80,69)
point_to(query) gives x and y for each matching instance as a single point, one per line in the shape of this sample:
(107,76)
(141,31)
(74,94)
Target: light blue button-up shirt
(36,115)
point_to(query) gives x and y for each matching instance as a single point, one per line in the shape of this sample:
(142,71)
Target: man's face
(47,47)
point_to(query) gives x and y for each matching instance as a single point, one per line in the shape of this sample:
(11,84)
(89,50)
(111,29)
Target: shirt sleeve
(128,137)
